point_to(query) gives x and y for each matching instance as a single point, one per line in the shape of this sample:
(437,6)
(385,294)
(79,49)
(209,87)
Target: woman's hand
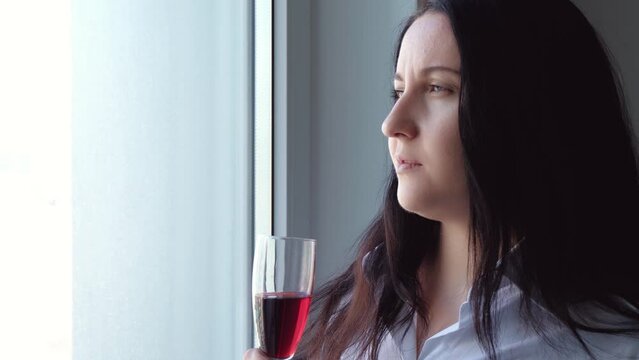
(255,354)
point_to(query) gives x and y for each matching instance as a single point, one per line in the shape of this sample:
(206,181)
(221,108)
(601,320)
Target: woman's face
(422,126)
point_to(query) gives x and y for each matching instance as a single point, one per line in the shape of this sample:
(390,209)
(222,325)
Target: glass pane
(160,179)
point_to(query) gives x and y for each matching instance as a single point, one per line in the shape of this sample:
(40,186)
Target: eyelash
(395,97)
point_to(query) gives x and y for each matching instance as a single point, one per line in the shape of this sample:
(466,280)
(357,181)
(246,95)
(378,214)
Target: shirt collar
(404,336)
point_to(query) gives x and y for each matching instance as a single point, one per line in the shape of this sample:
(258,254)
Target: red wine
(281,318)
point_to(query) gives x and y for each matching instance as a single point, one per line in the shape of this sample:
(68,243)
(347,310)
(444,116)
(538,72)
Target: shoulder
(609,346)
(612,346)
(518,340)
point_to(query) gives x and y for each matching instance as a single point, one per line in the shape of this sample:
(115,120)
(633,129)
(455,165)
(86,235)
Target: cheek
(439,188)
(450,162)
(453,175)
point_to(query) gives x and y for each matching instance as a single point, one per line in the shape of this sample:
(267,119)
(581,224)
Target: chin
(410,204)
(415,205)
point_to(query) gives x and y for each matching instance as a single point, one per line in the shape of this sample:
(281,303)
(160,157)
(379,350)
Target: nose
(400,122)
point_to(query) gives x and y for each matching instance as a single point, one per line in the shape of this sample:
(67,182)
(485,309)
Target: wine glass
(283,277)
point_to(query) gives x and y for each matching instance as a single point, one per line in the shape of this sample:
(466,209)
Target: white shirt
(516,340)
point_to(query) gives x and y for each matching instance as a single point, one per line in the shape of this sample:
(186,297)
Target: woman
(509,228)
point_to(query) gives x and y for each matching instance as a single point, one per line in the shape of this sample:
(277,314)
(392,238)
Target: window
(161,179)
(126,179)
(35,180)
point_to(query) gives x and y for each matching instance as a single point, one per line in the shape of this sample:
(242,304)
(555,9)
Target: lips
(404,164)
(403,161)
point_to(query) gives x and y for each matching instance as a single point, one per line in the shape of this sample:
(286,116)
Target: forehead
(429,41)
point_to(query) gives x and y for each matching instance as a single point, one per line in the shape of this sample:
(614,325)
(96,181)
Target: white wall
(351,51)
(616,21)
(161,188)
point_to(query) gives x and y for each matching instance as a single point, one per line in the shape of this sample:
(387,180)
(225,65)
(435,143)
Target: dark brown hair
(549,154)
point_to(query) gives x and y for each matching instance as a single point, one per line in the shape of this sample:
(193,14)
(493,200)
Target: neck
(451,273)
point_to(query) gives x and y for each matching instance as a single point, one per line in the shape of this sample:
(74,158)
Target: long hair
(549,154)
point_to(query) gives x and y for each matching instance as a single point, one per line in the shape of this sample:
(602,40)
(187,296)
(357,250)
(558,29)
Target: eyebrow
(425,71)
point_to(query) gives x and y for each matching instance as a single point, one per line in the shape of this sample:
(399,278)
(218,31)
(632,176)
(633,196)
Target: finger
(254,354)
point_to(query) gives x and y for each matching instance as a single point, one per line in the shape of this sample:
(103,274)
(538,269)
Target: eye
(396,94)
(437,89)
